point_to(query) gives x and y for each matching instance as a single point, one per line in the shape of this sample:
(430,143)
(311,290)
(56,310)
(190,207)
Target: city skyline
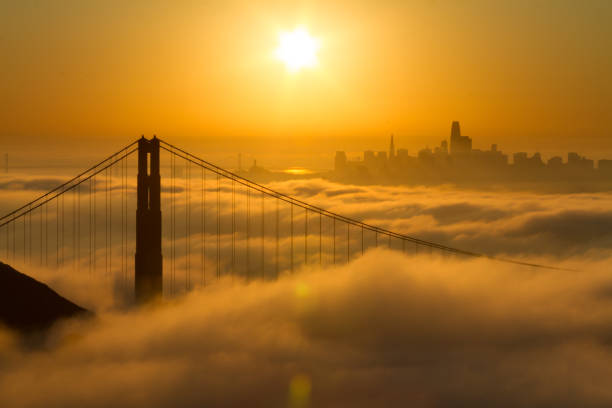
(457,155)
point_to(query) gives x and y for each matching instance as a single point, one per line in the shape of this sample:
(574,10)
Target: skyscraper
(455,131)
(459,144)
(391,149)
(340,161)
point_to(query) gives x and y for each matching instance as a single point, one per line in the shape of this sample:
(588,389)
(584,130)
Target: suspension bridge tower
(148,262)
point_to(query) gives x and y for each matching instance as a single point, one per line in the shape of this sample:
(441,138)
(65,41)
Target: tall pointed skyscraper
(455,131)
(391,148)
(459,144)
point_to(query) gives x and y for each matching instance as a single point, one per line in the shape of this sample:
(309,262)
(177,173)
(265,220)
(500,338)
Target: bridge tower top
(148,259)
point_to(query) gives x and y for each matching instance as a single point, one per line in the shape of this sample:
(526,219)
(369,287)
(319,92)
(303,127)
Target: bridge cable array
(335,217)
(64,232)
(233,251)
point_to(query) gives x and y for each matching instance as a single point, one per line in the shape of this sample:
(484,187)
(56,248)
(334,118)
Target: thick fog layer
(386,329)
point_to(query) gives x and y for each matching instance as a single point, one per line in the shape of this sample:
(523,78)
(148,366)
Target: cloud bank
(385,330)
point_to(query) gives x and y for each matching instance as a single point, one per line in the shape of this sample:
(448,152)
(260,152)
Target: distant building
(521,160)
(426,156)
(459,144)
(442,150)
(391,149)
(369,159)
(575,161)
(492,158)
(340,161)
(555,162)
(605,166)
(381,157)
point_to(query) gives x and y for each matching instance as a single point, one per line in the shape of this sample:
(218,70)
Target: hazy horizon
(529,76)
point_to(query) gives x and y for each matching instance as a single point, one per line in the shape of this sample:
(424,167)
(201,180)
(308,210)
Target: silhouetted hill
(28,305)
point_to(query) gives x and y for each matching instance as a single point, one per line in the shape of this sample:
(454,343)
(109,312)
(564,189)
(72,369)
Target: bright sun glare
(297,49)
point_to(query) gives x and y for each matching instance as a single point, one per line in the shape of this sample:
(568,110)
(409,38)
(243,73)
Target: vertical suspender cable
(277,236)
(248,232)
(63,234)
(125,218)
(110,220)
(361,239)
(90,223)
(94,224)
(41,236)
(262,237)
(30,235)
(106,224)
(187,225)
(57,232)
(305,236)
(292,237)
(233,226)
(71,192)
(13,247)
(8,240)
(123,221)
(79,223)
(25,252)
(334,219)
(121,196)
(320,241)
(46,236)
(74,237)
(348,242)
(202,230)
(218,226)
(172,221)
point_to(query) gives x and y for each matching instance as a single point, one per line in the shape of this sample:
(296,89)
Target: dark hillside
(28,305)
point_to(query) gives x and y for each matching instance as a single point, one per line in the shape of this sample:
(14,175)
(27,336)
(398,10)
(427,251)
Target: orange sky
(529,75)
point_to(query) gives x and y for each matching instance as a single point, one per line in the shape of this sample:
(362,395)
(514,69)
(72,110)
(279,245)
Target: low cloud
(499,223)
(34,184)
(385,330)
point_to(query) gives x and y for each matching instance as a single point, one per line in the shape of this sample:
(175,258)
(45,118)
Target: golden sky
(529,75)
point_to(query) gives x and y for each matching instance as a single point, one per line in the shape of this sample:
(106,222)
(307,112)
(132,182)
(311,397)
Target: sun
(297,49)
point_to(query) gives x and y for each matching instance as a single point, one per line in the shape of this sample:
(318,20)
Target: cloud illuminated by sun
(297,49)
